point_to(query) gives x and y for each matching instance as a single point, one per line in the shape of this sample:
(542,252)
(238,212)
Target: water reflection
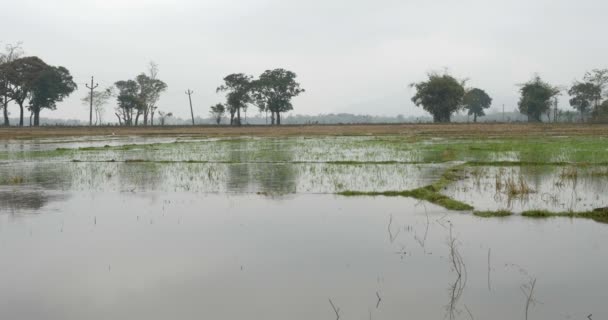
(24,201)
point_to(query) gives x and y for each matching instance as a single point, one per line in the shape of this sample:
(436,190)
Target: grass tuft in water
(539,214)
(490,214)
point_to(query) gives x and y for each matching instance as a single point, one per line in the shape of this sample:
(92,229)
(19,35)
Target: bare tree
(100,99)
(11,53)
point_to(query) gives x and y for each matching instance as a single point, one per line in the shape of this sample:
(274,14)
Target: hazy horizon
(351,56)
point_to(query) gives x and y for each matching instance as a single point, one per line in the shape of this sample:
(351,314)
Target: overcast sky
(353,56)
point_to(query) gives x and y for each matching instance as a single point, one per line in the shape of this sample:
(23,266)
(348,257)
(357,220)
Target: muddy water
(269,240)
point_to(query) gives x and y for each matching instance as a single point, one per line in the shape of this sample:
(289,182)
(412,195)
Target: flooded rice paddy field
(379,227)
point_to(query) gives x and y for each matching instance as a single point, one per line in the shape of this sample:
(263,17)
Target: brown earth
(447,130)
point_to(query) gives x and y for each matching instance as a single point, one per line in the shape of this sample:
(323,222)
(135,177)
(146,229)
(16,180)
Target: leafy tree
(21,75)
(217,112)
(100,99)
(164,116)
(150,89)
(598,77)
(238,94)
(440,95)
(476,100)
(12,52)
(584,96)
(51,86)
(536,98)
(128,100)
(274,90)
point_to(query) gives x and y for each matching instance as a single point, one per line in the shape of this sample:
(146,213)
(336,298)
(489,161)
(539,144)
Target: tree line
(33,85)
(442,95)
(271,93)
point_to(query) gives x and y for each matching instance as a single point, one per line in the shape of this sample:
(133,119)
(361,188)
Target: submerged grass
(598,215)
(421,193)
(490,214)
(430,193)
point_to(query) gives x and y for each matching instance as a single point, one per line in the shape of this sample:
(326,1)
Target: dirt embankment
(439,130)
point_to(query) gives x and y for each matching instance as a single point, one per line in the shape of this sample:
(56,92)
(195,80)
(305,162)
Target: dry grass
(517,187)
(436,130)
(569,173)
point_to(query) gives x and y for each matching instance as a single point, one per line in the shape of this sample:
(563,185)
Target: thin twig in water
(379,299)
(336,310)
(392,237)
(528,291)
(422,241)
(469,312)
(459,267)
(489,268)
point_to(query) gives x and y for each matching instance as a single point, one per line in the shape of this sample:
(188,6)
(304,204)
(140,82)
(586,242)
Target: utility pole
(189,93)
(503,113)
(92,87)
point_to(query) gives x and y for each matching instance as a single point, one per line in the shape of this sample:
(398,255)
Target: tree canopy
(274,90)
(217,112)
(440,95)
(584,96)
(128,101)
(238,94)
(536,96)
(475,101)
(52,85)
(139,97)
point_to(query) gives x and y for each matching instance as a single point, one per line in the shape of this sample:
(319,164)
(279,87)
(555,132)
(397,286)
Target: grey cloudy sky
(351,55)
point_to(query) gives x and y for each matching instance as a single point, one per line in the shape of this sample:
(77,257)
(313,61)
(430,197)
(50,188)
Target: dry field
(447,130)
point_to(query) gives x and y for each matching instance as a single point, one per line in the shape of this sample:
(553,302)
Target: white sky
(353,56)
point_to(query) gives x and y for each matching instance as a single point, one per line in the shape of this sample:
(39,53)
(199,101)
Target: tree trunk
(119,119)
(475,118)
(21,114)
(238,116)
(278,118)
(36,115)
(152,118)
(272,118)
(5,107)
(137,118)
(146,117)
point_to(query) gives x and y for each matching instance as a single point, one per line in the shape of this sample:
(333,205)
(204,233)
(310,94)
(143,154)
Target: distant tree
(217,112)
(274,90)
(164,116)
(51,86)
(150,88)
(440,95)
(584,96)
(475,101)
(536,98)
(21,75)
(598,77)
(238,94)
(11,53)
(128,100)
(100,99)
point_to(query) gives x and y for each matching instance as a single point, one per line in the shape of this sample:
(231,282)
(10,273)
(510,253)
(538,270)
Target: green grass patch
(538,214)
(598,215)
(491,214)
